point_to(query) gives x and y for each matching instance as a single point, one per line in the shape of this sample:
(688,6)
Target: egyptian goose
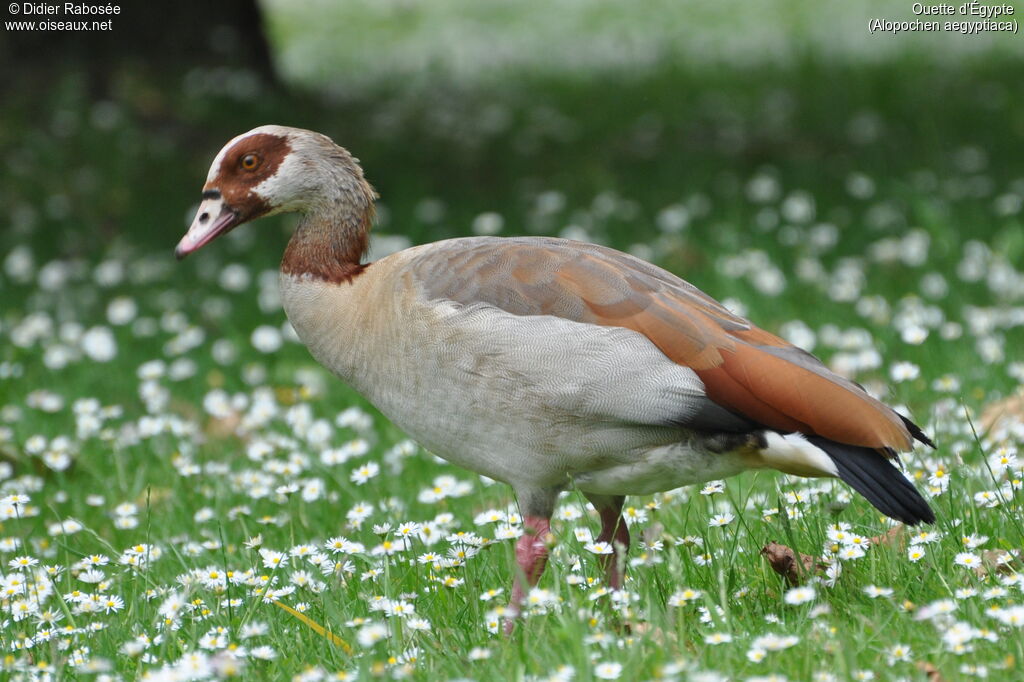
(547,363)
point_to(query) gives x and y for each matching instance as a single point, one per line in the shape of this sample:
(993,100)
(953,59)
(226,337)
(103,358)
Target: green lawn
(182,479)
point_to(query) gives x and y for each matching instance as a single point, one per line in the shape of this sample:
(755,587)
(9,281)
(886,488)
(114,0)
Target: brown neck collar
(329,244)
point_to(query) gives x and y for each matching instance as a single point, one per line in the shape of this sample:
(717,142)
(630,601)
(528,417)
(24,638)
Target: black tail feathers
(869,473)
(916,431)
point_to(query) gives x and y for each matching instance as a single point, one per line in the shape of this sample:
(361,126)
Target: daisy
(254,629)
(418,624)
(272,559)
(22,563)
(967,560)
(713,487)
(359,513)
(632,515)
(1012,616)
(489,516)
(799,595)
(583,534)
(939,478)
(994,593)
(569,512)
(685,595)
(371,633)
(429,558)
(409,529)
(703,559)
(508,532)
(718,638)
(1004,458)
(773,642)
(719,520)
(851,553)
(973,541)
(987,498)
(113,604)
(608,671)
(491,593)
(924,537)
(904,371)
(478,654)
(364,473)
(265,653)
(898,652)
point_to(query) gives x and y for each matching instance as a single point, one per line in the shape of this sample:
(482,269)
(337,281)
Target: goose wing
(746,370)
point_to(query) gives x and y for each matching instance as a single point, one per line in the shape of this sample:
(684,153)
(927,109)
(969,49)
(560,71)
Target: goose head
(275,169)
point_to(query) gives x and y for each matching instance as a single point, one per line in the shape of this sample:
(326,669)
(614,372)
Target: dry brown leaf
(1001,558)
(220,428)
(894,536)
(998,560)
(1003,412)
(641,628)
(783,561)
(930,671)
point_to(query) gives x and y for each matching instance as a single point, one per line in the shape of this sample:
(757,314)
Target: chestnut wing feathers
(745,370)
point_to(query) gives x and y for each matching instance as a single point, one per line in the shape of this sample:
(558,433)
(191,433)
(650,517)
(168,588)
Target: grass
(202,441)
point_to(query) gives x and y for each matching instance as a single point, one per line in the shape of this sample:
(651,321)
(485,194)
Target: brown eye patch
(245,165)
(263,151)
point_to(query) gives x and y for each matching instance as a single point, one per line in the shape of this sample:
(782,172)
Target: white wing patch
(793,454)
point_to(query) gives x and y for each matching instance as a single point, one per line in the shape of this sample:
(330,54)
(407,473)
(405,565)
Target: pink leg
(613,530)
(531,557)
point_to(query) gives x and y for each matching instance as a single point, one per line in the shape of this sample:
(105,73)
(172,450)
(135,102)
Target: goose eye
(250,162)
